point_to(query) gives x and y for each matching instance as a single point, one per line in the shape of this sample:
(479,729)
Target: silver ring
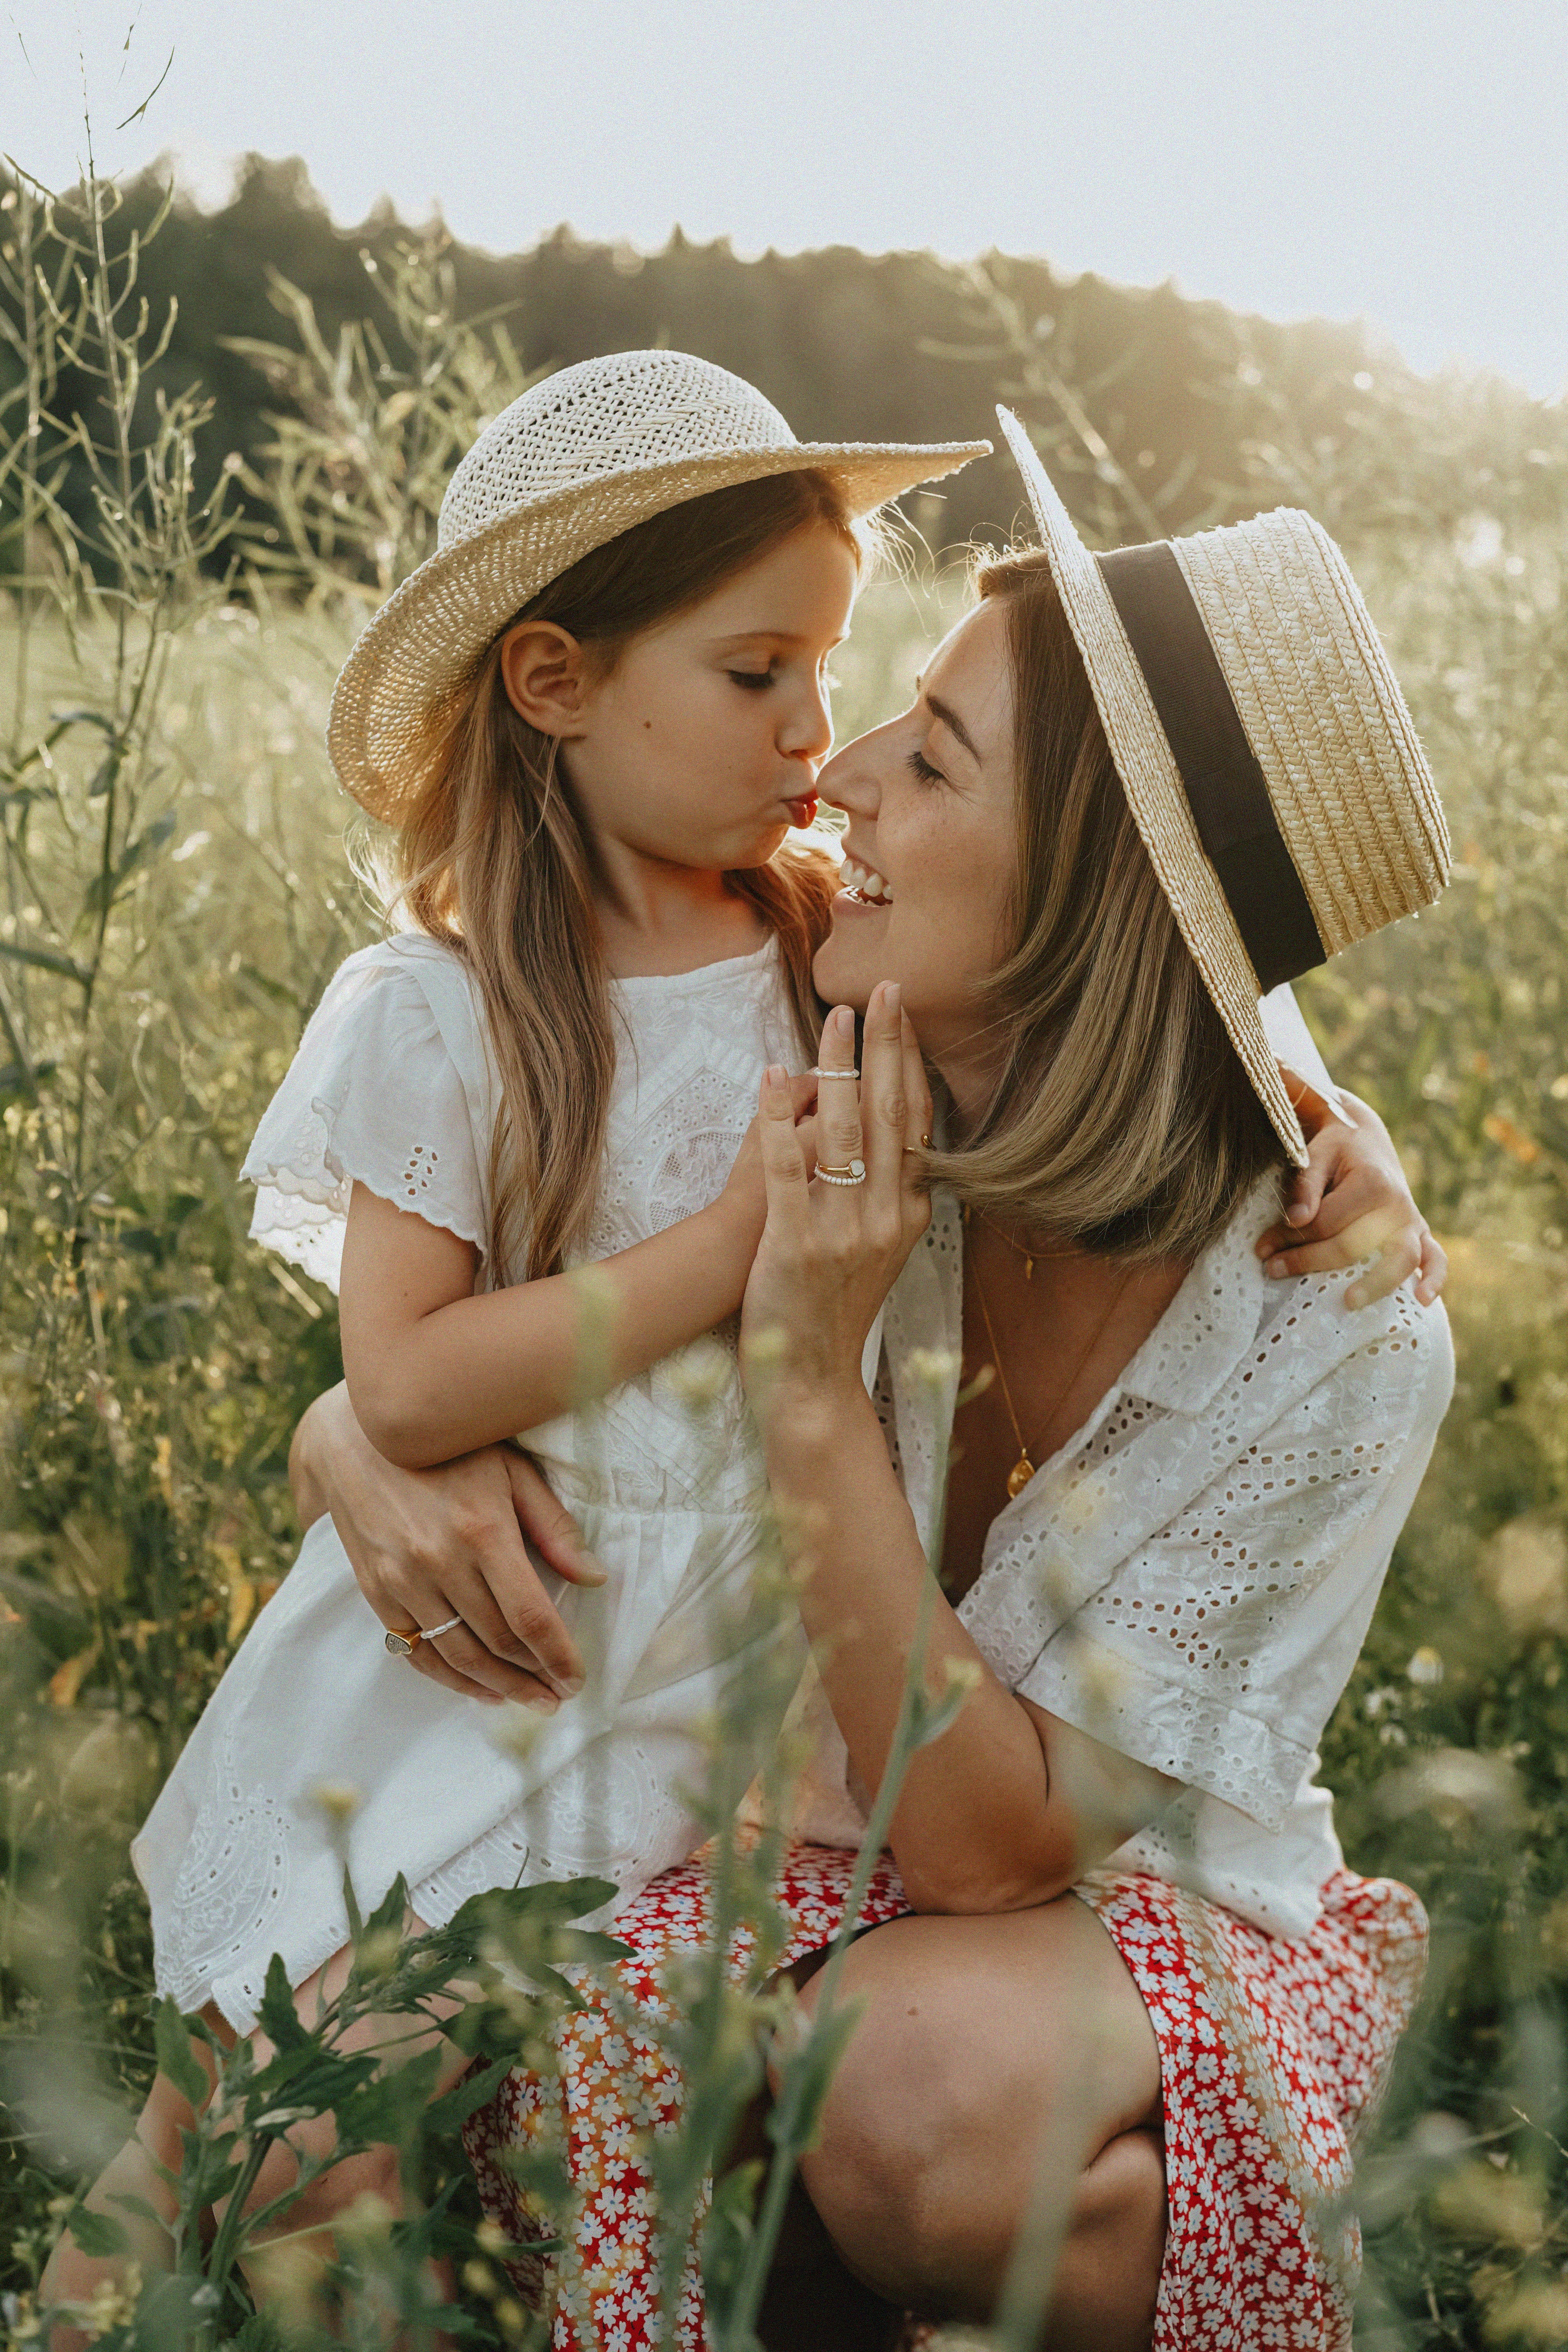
(854,1174)
(832,1073)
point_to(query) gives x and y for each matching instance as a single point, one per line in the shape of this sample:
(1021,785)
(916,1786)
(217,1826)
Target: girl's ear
(545,673)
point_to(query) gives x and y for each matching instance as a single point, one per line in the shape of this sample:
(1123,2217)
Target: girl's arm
(1011,1805)
(433,1371)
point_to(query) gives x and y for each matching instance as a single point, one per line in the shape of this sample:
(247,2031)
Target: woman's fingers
(884,1104)
(547,1524)
(840,1139)
(469,1656)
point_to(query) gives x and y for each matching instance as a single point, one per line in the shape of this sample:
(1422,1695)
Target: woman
(1130,792)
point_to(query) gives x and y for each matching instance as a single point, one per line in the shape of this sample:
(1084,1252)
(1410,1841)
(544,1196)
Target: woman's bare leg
(72,2276)
(994,2053)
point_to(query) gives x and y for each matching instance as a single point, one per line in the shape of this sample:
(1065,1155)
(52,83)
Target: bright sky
(1402,160)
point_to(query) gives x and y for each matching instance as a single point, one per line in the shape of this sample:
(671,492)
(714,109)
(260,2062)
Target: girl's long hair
(496,859)
(1124,1121)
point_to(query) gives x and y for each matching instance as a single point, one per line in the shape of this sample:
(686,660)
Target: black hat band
(1219,770)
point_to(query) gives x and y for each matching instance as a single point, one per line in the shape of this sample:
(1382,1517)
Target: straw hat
(1263,743)
(579,458)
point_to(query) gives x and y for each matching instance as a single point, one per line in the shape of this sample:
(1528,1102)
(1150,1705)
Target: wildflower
(337,1800)
(700,1375)
(114,2303)
(933,1367)
(765,1350)
(368,2219)
(1426,1667)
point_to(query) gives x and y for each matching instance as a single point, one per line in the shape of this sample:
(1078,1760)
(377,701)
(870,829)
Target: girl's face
(701,748)
(932,852)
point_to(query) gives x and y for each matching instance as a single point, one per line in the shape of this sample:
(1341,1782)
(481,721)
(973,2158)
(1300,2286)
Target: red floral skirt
(1272,2055)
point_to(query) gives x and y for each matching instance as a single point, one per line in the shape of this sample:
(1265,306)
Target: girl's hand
(745,1196)
(1351,1201)
(427,1545)
(829,1253)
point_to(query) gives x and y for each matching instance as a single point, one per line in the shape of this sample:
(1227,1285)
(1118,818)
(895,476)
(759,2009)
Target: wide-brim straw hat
(1263,743)
(578,458)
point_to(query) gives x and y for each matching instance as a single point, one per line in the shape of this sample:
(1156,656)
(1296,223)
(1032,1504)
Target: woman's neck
(969,1064)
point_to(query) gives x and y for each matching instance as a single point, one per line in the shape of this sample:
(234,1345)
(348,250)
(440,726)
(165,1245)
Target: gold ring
(403,1645)
(855,1173)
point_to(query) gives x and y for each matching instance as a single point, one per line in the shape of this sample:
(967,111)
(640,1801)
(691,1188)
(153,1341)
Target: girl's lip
(802,810)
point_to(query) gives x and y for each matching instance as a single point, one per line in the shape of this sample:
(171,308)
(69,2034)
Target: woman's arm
(433,1371)
(1011,1805)
(456,1540)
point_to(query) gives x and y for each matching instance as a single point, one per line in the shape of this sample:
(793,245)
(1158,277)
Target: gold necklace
(1029,1256)
(1023,1470)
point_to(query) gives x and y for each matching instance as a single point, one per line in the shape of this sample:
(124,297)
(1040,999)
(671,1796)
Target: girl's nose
(850,778)
(810,733)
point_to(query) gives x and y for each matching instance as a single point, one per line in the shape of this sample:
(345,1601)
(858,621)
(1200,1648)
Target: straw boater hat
(1263,743)
(578,459)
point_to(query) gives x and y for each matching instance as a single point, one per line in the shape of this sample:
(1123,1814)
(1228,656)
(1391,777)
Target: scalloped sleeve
(389,1089)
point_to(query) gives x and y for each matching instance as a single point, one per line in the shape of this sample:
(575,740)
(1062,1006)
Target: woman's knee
(910,2121)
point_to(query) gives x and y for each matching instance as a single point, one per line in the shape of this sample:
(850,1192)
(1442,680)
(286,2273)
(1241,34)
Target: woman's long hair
(495,858)
(1124,1121)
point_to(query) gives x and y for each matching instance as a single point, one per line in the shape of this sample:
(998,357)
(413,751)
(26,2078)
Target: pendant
(1019,1477)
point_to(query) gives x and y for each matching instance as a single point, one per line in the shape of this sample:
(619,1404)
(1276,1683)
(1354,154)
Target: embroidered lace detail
(232,1882)
(1159,1582)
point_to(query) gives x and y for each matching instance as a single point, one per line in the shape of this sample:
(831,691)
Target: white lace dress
(393,1086)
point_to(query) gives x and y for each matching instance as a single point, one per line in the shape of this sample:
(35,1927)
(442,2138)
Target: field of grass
(176,892)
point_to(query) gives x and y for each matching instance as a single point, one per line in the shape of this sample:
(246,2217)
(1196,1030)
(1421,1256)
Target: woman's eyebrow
(955,726)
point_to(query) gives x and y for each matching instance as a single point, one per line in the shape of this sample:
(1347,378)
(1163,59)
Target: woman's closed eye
(920,767)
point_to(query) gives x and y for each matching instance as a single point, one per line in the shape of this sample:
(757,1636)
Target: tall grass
(174,896)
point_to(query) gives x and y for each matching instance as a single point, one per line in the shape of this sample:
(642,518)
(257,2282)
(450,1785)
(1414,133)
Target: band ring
(403,1645)
(855,1173)
(817,1073)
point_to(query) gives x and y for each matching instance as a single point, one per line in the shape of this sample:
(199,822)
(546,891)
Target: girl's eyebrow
(773,637)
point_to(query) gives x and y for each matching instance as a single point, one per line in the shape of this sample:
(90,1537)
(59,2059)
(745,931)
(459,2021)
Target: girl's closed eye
(754,680)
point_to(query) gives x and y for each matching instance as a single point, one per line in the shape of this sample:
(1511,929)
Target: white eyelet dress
(393,1086)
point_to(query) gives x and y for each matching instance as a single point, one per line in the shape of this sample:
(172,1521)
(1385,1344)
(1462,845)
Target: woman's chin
(850,960)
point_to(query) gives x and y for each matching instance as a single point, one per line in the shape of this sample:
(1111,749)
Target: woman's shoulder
(1236,1346)
(1393,1359)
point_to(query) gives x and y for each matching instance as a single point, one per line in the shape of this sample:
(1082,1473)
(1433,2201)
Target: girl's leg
(72,2276)
(998,2061)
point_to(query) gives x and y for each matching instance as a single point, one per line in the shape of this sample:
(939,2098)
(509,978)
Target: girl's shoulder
(390,1088)
(402,990)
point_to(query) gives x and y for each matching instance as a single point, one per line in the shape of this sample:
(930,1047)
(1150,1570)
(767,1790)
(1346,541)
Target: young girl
(590,719)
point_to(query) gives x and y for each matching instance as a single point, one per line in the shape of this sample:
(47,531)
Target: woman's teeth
(860,882)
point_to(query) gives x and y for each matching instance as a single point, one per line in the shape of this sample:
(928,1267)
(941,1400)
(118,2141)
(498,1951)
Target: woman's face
(931,850)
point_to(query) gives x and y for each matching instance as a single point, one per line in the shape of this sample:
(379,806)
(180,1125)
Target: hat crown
(605,416)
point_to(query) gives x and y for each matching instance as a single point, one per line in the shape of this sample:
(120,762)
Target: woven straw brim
(425,639)
(1351,788)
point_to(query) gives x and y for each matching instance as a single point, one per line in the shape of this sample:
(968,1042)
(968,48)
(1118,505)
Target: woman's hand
(1351,1201)
(427,1545)
(830,1251)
